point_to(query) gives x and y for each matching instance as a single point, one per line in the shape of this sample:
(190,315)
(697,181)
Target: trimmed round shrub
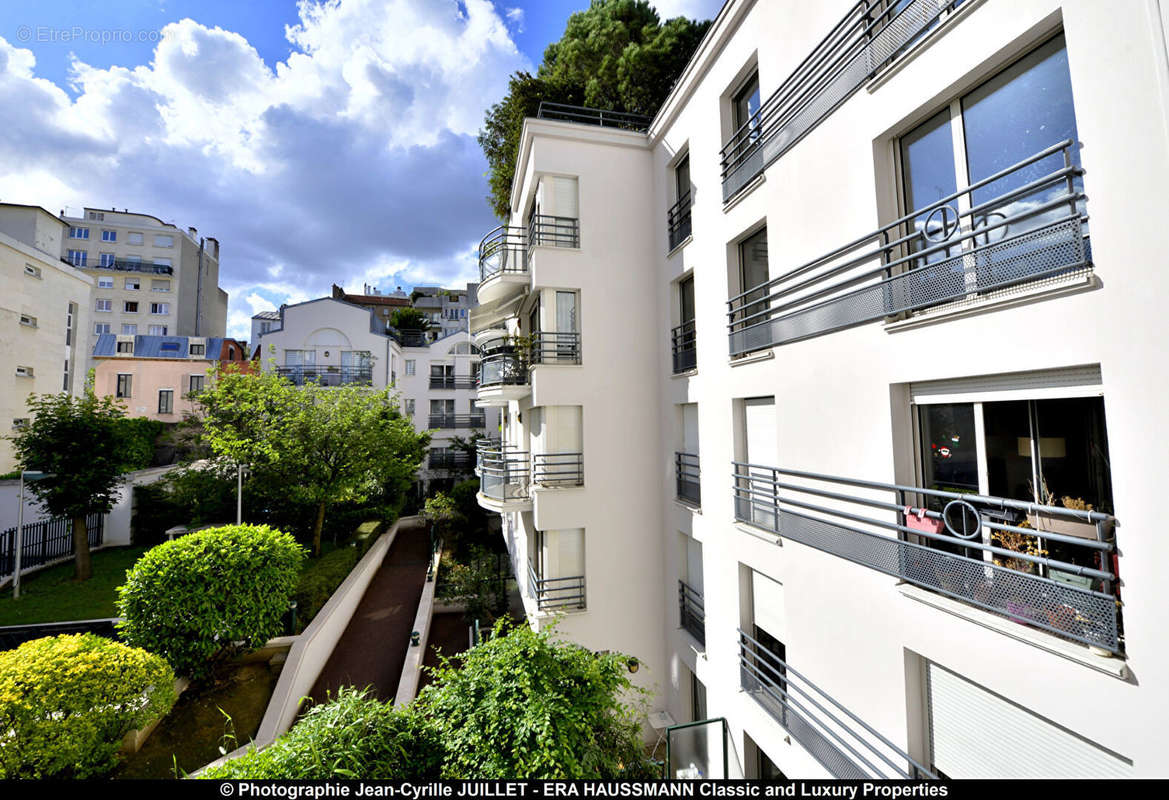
(210,595)
(66,702)
(352,736)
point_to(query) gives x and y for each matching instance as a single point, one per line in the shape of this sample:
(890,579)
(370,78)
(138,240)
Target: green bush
(67,701)
(141,438)
(351,736)
(209,595)
(319,580)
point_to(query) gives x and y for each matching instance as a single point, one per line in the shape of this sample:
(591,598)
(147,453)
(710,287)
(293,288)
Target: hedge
(66,702)
(209,595)
(320,580)
(351,736)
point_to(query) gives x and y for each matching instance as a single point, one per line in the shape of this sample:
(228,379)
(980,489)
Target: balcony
(550,347)
(987,552)
(684,343)
(503,374)
(505,253)
(844,744)
(864,42)
(691,612)
(449,459)
(457,421)
(454,382)
(327,376)
(686,473)
(409,338)
(933,256)
(678,222)
(556,594)
(504,476)
(593,116)
(558,469)
(133,266)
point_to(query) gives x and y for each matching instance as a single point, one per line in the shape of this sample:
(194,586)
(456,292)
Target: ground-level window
(166,401)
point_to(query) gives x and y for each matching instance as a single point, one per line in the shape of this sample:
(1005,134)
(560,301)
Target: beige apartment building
(44,307)
(151,278)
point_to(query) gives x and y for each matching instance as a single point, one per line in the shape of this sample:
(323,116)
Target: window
(103,304)
(96,216)
(744,117)
(198,350)
(157,330)
(77,258)
(125,383)
(166,401)
(126,347)
(410,406)
(753,277)
(109,236)
(31,271)
(169,348)
(19,423)
(410,366)
(70,314)
(265,327)
(79,233)
(196,384)
(300,358)
(682,178)
(160,308)
(162,240)
(105,283)
(129,329)
(133,284)
(130,306)
(28,320)
(101,327)
(133,237)
(160,286)
(25,372)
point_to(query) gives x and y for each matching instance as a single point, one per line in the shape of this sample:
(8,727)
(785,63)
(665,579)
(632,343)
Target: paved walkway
(373,648)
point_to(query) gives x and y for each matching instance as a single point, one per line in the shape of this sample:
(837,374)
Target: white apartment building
(870,489)
(44,309)
(152,278)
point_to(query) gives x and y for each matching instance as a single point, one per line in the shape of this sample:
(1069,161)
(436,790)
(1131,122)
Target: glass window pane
(1008,450)
(927,165)
(949,451)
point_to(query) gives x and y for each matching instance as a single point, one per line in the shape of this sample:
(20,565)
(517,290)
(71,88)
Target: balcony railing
(506,249)
(457,421)
(441,458)
(593,116)
(558,469)
(550,347)
(686,474)
(408,338)
(133,266)
(959,247)
(691,612)
(556,593)
(989,559)
(504,473)
(678,221)
(842,742)
(862,43)
(327,376)
(684,341)
(453,381)
(502,368)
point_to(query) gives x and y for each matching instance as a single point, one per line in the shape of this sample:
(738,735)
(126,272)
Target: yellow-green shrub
(67,701)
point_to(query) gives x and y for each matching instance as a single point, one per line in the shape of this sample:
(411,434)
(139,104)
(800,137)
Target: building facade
(44,313)
(878,462)
(447,309)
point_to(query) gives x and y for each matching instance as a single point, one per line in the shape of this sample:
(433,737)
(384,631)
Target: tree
(409,319)
(524,705)
(616,55)
(320,446)
(86,447)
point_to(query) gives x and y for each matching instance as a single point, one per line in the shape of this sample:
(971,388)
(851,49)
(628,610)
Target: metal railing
(503,367)
(507,248)
(457,421)
(409,337)
(593,116)
(558,469)
(46,541)
(545,230)
(551,347)
(327,376)
(556,593)
(444,458)
(990,559)
(841,741)
(133,266)
(678,221)
(504,474)
(956,248)
(686,473)
(691,612)
(869,37)
(684,342)
(453,381)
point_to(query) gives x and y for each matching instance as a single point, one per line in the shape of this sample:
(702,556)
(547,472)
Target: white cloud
(694,9)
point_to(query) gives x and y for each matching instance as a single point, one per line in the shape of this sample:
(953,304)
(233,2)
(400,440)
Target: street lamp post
(239,494)
(29,475)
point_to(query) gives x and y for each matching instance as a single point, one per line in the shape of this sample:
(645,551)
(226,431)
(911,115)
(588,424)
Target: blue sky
(321,142)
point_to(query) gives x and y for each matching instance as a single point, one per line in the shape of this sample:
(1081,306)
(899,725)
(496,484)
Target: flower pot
(1049,523)
(1019,612)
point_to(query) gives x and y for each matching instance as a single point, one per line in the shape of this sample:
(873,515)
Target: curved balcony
(503,263)
(503,376)
(504,477)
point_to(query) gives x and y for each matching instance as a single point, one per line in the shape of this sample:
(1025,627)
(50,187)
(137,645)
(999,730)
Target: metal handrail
(889,271)
(454,381)
(409,337)
(678,223)
(131,266)
(503,368)
(691,611)
(503,250)
(686,472)
(558,469)
(553,347)
(546,230)
(457,420)
(836,737)
(448,458)
(1071,600)
(556,593)
(684,346)
(504,473)
(593,116)
(327,375)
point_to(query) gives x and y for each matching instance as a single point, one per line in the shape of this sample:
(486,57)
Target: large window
(753,272)
(125,384)
(166,401)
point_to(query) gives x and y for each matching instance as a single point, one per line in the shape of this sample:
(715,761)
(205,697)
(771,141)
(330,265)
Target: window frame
(124,386)
(169,396)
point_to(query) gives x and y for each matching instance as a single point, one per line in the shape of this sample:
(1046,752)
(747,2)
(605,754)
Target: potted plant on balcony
(1018,609)
(1051,523)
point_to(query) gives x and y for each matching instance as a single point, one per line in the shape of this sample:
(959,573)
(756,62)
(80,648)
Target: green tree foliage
(312,445)
(351,736)
(86,445)
(615,55)
(476,582)
(409,319)
(523,705)
(67,701)
(209,595)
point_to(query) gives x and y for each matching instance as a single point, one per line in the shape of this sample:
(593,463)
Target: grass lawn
(51,595)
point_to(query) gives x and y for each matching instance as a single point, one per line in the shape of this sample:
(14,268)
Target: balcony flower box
(1049,523)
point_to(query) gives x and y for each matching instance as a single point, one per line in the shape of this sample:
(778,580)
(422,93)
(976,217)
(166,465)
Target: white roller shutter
(565,197)
(762,436)
(768,606)
(1084,381)
(974,733)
